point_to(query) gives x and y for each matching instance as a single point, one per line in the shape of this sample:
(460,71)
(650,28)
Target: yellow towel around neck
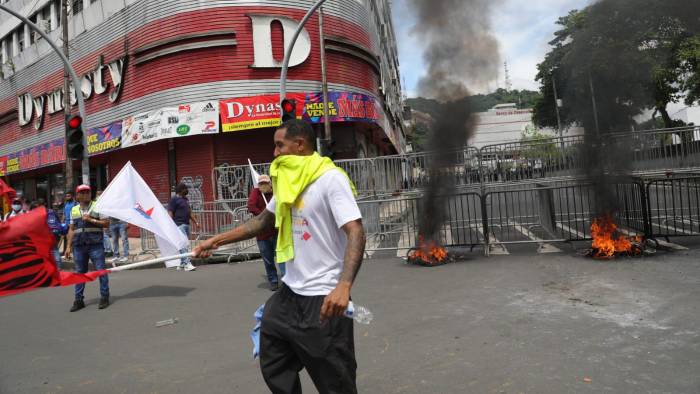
(291,175)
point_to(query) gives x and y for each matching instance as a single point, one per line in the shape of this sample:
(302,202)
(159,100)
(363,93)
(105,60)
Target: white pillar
(27,32)
(3,52)
(15,42)
(54,15)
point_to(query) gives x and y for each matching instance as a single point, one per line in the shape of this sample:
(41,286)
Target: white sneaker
(178,268)
(123,259)
(113,259)
(189,267)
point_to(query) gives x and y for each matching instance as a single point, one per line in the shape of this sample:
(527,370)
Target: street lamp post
(288,55)
(74,78)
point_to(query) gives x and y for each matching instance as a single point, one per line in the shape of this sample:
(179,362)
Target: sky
(523,30)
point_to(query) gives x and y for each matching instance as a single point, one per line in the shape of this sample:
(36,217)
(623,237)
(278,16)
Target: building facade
(178,87)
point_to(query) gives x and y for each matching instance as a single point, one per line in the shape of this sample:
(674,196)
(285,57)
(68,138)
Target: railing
(518,192)
(646,153)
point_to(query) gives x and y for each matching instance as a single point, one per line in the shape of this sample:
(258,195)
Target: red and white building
(178,87)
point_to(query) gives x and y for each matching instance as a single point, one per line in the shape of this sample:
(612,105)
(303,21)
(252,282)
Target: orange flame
(606,240)
(429,252)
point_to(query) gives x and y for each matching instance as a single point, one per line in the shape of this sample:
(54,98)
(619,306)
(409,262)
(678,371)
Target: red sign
(255,112)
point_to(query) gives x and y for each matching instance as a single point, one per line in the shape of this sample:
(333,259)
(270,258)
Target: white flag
(253,174)
(129,198)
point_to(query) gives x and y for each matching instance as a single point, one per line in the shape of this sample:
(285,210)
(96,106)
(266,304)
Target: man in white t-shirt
(303,324)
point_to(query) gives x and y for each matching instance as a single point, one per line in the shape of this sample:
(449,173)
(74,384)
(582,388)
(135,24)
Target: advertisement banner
(35,157)
(255,112)
(342,107)
(171,122)
(104,139)
(3,165)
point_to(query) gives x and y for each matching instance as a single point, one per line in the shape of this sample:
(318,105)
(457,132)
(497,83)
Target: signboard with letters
(104,139)
(172,122)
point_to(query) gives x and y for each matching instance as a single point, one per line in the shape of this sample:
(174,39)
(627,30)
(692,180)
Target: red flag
(26,262)
(6,195)
(6,190)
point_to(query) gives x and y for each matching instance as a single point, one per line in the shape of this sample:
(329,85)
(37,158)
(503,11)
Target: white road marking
(544,247)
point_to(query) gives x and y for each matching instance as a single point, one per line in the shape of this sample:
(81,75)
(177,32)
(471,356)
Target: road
(517,323)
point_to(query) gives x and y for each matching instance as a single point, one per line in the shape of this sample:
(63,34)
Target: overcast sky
(522,28)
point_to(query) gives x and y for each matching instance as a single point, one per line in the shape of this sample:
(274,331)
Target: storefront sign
(39,156)
(104,139)
(255,112)
(172,122)
(342,107)
(3,165)
(264,111)
(29,107)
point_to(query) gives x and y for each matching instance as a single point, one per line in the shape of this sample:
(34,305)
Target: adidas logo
(208,108)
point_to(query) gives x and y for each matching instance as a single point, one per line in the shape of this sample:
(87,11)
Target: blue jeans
(118,231)
(81,255)
(267,251)
(185,228)
(57,257)
(106,241)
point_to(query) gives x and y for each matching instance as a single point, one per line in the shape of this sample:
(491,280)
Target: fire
(606,240)
(428,252)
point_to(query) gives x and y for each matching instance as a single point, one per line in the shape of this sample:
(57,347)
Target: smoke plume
(460,51)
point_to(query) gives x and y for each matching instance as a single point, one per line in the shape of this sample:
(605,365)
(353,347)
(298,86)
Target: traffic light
(289,109)
(74,135)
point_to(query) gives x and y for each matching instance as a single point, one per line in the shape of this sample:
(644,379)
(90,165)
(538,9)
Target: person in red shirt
(267,241)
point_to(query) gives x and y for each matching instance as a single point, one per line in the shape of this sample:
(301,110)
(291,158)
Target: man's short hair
(298,128)
(180,188)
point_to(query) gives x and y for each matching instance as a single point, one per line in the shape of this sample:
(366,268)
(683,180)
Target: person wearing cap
(267,241)
(85,242)
(16,209)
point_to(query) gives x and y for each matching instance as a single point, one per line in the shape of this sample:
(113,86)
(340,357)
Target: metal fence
(673,206)
(516,192)
(650,152)
(394,224)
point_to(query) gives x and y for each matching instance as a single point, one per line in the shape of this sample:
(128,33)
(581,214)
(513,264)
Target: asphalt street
(518,323)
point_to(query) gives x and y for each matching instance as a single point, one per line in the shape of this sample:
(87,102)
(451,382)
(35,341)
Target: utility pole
(556,107)
(66,93)
(324,83)
(595,108)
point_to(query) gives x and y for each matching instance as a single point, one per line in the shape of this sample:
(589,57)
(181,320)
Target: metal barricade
(559,211)
(148,243)
(524,160)
(361,172)
(662,150)
(394,224)
(212,222)
(674,206)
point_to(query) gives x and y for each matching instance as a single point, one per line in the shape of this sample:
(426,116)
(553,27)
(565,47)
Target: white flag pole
(150,262)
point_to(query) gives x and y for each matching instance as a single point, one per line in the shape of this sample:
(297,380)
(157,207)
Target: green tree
(637,54)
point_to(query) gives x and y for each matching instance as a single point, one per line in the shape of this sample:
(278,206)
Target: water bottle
(359,313)
(167,322)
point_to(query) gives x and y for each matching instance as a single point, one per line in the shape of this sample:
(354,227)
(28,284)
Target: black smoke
(460,51)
